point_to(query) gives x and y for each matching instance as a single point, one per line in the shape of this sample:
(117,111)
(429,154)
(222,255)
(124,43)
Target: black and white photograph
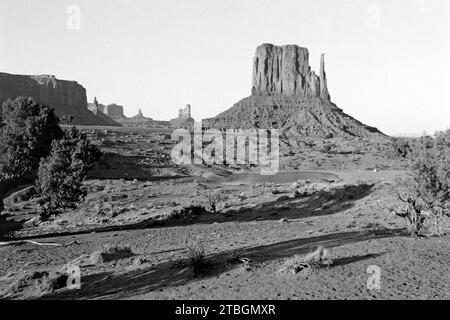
(224,150)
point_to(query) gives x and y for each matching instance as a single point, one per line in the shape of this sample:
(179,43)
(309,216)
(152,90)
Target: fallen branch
(18,242)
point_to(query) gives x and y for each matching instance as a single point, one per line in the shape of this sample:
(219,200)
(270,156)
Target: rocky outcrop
(97,109)
(139,120)
(140,117)
(66,97)
(114,111)
(288,95)
(184,119)
(286,71)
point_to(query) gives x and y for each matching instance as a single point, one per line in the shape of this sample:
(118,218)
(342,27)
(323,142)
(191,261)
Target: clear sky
(387,62)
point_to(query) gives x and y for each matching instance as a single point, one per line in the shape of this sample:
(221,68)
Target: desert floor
(143,208)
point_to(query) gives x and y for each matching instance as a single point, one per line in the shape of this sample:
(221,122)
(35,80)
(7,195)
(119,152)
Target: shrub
(187,212)
(110,253)
(61,174)
(401,147)
(327,148)
(196,253)
(314,260)
(216,201)
(26,132)
(428,193)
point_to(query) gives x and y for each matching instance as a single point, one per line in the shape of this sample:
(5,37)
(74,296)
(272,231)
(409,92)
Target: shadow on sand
(178,272)
(318,204)
(128,167)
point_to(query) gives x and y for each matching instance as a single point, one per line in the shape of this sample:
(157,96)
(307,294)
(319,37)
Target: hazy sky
(387,62)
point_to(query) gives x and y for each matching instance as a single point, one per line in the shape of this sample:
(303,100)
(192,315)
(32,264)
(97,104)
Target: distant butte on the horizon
(66,97)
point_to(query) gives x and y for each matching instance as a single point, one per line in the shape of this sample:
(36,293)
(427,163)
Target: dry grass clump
(314,260)
(216,200)
(111,253)
(236,257)
(196,254)
(232,258)
(187,212)
(36,283)
(309,189)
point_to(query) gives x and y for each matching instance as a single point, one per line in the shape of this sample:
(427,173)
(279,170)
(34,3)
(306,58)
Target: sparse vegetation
(316,259)
(216,200)
(196,254)
(326,148)
(187,212)
(111,253)
(36,283)
(401,147)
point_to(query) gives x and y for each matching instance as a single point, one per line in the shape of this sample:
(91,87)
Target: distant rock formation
(184,119)
(140,120)
(288,95)
(140,117)
(98,109)
(114,111)
(66,97)
(285,71)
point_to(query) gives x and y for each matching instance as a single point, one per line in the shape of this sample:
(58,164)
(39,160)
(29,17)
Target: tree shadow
(178,272)
(9,223)
(114,166)
(318,204)
(348,260)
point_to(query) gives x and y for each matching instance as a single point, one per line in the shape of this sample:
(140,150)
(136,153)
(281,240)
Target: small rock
(283,220)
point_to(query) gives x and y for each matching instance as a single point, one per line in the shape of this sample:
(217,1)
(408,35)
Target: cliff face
(114,111)
(286,71)
(288,95)
(66,97)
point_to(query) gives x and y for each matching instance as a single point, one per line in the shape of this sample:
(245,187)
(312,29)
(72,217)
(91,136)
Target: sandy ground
(135,198)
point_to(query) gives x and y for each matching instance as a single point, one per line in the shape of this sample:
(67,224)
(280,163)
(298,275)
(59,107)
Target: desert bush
(111,252)
(187,212)
(316,259)
(216,200)
(401,147)
(32,284)
(196,254)
(233,257)
(427,194)
(61,174)
(26,132)
(326,148)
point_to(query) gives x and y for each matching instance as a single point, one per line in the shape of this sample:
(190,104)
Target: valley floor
(260,227)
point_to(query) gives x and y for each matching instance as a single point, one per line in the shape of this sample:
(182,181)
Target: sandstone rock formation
(184,119)
(288,95)
(66,97)
(98,109)
(285,71)
(140,120)
(114,111)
